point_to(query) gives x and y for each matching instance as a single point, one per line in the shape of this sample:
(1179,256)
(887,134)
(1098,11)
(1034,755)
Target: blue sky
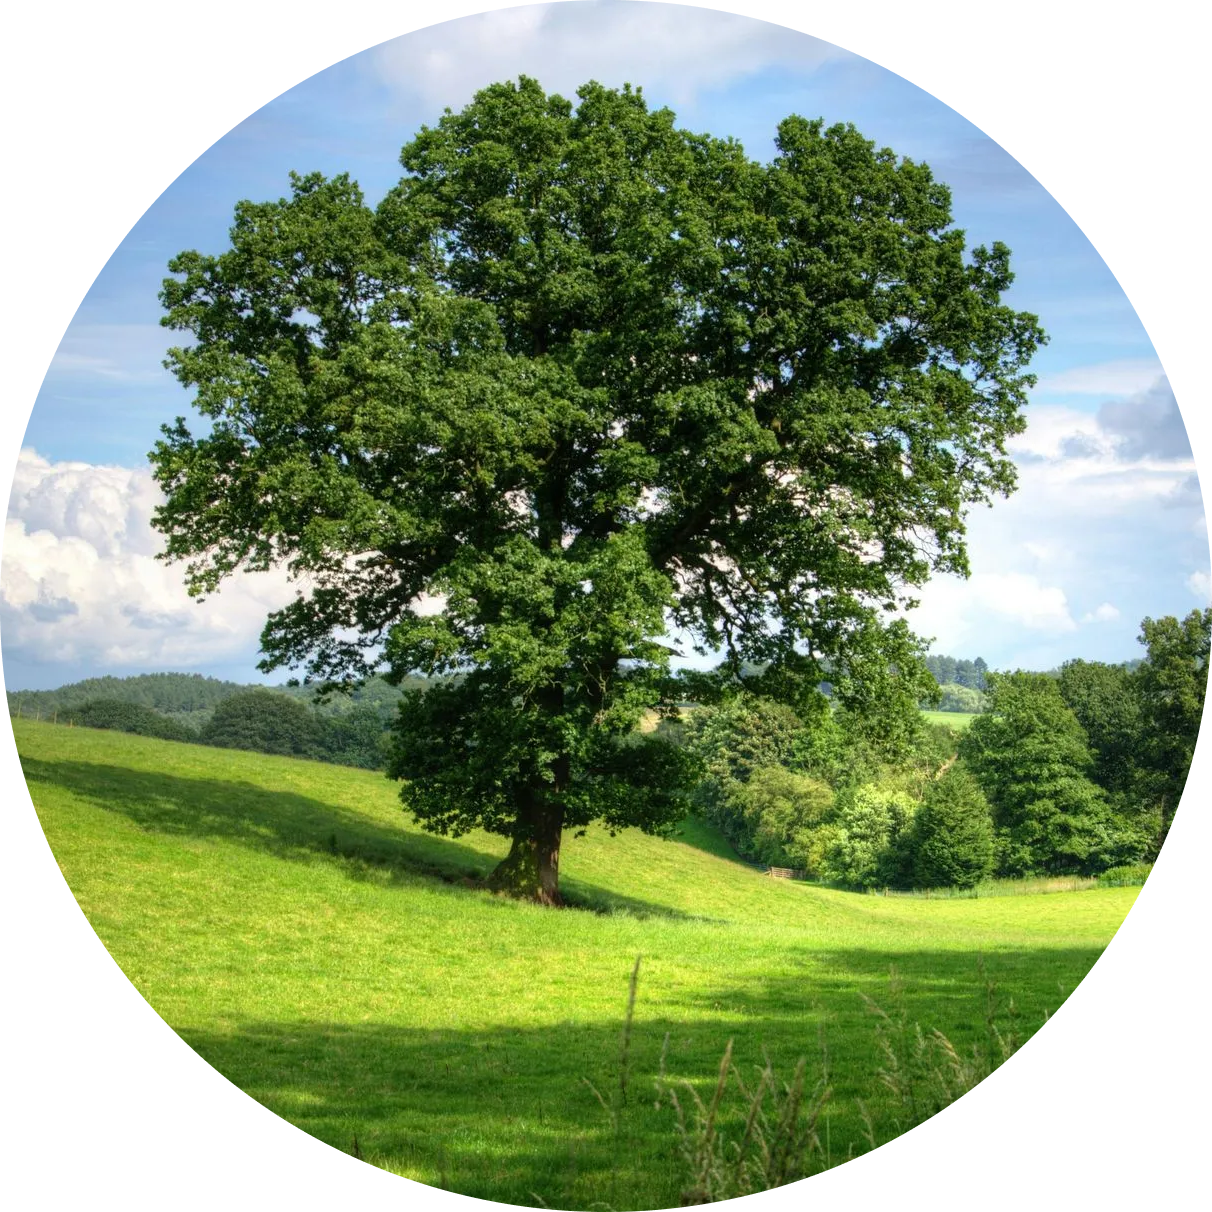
(1107,526)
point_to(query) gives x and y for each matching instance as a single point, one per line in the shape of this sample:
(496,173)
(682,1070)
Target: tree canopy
(1030,754)
(953,833)
(266,722)
(582,387)
(1171,685)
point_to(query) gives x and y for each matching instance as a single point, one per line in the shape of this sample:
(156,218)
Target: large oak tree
(584,381)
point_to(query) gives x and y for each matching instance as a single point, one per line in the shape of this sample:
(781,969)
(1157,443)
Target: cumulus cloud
(80,583)
(1147,424)
(679,50)
(1055,431)
(1200,584)
(958,613)
(1130,450)
(1105,613)
(107,508)
(1104,529)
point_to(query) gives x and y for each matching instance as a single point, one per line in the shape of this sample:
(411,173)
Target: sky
(1107,525)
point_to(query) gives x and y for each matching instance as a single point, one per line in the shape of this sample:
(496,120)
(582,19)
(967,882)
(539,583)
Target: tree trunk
(531,869)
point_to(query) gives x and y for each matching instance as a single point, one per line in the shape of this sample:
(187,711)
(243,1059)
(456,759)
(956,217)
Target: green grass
(343,967)
(957,721)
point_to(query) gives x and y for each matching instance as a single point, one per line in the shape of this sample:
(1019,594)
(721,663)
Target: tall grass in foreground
(756,1135)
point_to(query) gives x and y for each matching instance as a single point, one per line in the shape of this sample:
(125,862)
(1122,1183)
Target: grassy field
(957,721)
(344,968)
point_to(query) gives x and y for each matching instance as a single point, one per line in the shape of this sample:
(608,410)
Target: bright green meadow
(348,971)
(957,721)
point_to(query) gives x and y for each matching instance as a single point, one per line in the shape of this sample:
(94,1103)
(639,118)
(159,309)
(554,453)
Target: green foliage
(1171,685)
(787,818)
(744,734)
(266,722)
(761,784)
(946,670)
(1132,875)
(581,375)
(872,846)
(954,697)
(355,737)
(1030,756)
(1105,701)
(176,694)
(936,746)
(375,693)
(952,834)
(127,717)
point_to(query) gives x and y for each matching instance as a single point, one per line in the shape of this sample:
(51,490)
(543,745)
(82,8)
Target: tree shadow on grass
(981,1001)
(506,1113)
(294,827)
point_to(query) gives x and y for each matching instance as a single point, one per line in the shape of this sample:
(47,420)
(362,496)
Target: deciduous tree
(952,844)
(584,380)
(1031,758)
(1171,685)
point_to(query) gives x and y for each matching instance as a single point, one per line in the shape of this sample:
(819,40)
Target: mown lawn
(343,967)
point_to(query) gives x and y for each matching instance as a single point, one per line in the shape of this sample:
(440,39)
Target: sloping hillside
(346,969)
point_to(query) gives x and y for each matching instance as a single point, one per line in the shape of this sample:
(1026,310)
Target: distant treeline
(1074,771)
(949,670)
(348,728)
(962,683)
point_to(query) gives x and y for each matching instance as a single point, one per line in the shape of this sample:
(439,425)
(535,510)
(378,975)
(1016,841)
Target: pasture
(957,721)
(347,970)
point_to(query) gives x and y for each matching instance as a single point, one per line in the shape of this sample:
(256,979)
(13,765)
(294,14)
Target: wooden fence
(777,873)
(786,873)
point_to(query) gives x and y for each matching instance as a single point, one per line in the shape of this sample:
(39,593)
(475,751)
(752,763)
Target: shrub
(267,723)
(355,738)
(871,847)
(1129,876)
(128,717)
(784,812)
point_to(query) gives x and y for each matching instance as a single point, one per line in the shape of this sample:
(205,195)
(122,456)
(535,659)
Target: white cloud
(1200,584)
(676,49)
(109,508)
(1121,378)
(956,612)
(1098,463)
(1106,613)
(1104,528)
(80,583)
(1146,424)
(1052,429)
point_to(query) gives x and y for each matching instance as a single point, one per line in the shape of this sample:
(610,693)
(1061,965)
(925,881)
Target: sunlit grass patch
(349,971)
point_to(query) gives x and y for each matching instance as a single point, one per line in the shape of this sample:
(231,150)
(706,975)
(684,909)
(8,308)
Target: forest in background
(1071,771)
